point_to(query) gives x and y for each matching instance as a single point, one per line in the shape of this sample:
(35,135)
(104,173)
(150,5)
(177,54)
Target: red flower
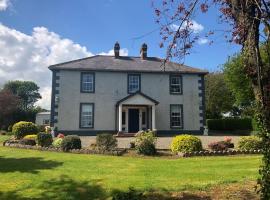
(60,135)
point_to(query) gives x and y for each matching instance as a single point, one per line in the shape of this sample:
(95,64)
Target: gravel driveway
(162,142)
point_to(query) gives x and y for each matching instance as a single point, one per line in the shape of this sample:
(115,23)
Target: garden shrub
(229,124)
(23,128)
(71,142)
(27,142)
(217,146)
(44,139)
(221,145)
(186,143)
(57,142)
(33,137)
(106,142)
(145,143)
(249,143)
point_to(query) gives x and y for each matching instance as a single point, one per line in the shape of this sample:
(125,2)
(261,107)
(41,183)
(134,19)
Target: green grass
(26,174)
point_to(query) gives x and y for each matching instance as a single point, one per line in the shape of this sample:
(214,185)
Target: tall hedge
(23,128)
(229,124)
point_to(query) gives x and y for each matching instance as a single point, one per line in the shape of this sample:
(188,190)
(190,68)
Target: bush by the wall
(57,142)
(249,143)
(71,142)
(186,143)
(23,128)
(44,139)
(27,142)
(145,143)
(106,142)
(229,124)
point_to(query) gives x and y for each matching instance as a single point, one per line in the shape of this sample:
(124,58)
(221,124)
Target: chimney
(143,51)
(116,50)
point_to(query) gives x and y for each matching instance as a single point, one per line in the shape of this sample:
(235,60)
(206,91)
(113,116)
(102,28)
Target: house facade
(124,94)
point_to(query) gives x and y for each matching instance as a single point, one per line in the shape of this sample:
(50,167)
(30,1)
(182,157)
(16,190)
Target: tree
(8,104)
(238,82)
(219,98)
(26,90)
(245,18)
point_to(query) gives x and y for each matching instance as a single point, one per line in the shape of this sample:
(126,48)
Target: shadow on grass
(27,165)
(63,188)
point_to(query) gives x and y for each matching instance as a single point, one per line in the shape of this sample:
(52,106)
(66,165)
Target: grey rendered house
(125,94)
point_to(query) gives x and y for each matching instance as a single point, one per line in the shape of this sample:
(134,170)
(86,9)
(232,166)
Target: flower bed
(14,144)
(218,153)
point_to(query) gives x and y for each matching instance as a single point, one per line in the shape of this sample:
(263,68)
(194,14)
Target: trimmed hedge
(186,143)
(229,124)
(23,128)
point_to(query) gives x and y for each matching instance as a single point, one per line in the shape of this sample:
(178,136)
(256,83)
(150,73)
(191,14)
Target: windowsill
(176,93)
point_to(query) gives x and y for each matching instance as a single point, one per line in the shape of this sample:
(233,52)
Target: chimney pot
(143,51)
(116,50)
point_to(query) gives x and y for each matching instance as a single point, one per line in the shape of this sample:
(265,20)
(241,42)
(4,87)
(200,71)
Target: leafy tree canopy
(219,98)
(26,90)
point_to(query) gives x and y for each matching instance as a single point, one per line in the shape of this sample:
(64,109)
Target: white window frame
(178,115)
(134,83)
(179,85)
(87,82)
(87,118)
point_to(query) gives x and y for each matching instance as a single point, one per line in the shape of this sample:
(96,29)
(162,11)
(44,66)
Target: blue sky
(94,26)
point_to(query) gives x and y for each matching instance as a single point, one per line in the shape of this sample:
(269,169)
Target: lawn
(27,174)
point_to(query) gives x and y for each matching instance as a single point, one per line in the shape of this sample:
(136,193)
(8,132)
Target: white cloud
(123,52)
(4,4)
(202,41)
(193,25)
(27,57)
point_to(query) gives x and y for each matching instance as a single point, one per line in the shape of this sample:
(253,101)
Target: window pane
(133,83)
(143,118)
(88,82)
(87,115)
(123,118)
(176,116)
(175,84)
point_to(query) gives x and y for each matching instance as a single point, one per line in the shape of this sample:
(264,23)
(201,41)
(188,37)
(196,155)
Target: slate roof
(125,64)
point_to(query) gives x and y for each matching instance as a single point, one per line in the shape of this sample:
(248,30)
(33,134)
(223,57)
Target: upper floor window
(175,84)
(87,82)
(87,115)
(176,116)
(134,83)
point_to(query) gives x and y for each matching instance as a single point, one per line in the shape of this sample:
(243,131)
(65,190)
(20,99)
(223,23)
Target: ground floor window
(87,115)
(176,116)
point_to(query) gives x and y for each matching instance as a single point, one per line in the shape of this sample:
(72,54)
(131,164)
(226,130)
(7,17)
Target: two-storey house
(126,94)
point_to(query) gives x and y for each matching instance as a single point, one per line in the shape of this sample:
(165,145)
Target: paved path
(162,142)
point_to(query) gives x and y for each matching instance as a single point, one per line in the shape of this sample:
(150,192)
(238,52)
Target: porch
(136,112)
